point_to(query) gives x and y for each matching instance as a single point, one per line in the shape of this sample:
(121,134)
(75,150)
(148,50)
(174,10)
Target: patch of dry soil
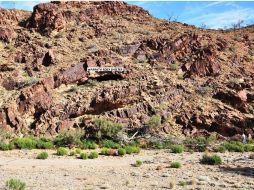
(62,173)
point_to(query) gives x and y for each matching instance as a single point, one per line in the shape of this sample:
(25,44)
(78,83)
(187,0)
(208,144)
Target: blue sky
(214,14)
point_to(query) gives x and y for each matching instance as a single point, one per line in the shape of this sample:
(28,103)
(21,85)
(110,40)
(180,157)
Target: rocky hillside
(197,81)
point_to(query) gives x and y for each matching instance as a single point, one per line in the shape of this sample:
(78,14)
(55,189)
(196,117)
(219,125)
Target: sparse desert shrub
(154,121)
(234,146)
(60,34)
(221,149)
(61,151)
(121,151)
(104,151)
(200,143)
(129,149)
(106,129)
(158,144)
(204,90)
(109,144)
(175,165)
(249,148)
(91,82)
(25,143)
(69,137)
(93,155)
(136,149)
(5,147)
(84,156)
(44,143)
(182,183)
(174,66)
(77,151)
(190,151)
(88,144)
(15,184)
(42,156)
(5,136)
(138,163)
(177,148)
(132,149)
(211,160)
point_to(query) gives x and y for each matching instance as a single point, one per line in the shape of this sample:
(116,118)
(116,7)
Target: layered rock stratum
(199,81)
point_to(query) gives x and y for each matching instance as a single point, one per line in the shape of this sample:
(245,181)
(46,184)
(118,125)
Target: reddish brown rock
(6,34)
(48,17)
(11,17)
(237,100)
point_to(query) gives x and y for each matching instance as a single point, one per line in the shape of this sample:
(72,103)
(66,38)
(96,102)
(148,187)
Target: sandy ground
(62,173)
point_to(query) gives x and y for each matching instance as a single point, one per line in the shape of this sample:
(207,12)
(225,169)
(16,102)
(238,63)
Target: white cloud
(219,20)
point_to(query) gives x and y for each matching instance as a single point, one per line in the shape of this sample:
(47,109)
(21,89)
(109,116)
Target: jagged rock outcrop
(55,16)
(197,81)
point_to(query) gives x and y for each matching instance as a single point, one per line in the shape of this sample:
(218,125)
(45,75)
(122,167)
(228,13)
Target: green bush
(15,184)
(69,137)
(211,160)
(61,151)
(121,151)
(43,156)
(234,146)
(89,144)
(221,149)
(77,151)
(136,149)
(25,143)
(177,148)
(132,149)
(44,143)
(175,165)
(104,151)
(109,144)
(138,163)
(6,147)
(84,155)
(249,148)
(106,129)
(93,155)
(154,121)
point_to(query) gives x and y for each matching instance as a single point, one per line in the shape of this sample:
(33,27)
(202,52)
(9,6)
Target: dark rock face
(48,59)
